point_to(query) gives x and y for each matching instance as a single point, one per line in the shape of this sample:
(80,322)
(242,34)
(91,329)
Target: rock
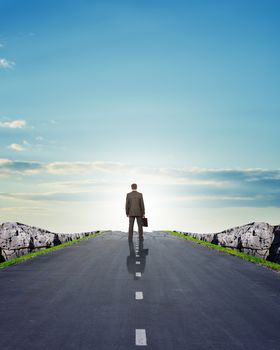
(17,239)
(274,252)
(2,259)
(254,239)
(257,239)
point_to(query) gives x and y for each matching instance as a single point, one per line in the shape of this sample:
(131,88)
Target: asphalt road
(188,297)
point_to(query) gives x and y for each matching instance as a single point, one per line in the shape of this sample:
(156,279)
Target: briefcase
(145,222)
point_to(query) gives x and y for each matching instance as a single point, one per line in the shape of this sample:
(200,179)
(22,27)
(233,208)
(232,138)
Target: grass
(47,250)
(230,251)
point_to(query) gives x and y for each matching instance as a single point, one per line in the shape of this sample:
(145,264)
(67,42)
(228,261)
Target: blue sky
(181,97)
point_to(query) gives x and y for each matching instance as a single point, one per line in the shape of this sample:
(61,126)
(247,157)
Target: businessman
(135,208)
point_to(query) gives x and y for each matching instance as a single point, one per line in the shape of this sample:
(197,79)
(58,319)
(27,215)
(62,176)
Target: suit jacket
(134,204)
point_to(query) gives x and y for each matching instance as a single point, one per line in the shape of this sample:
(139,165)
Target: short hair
(134,186)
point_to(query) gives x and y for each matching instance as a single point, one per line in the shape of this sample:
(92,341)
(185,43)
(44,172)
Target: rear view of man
(135,208)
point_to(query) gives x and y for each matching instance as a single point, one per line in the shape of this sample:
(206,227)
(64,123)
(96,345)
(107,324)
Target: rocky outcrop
(18,239)
(257,239)
(274,252)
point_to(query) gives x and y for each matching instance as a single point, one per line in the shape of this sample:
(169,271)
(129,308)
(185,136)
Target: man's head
(134,187)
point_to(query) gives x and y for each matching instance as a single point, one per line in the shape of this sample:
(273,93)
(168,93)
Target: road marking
(137,262)
(140,337)
(138,274)
(137,256)
(139,295)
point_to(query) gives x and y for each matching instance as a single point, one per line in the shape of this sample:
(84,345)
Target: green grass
(47,250)
(244,256)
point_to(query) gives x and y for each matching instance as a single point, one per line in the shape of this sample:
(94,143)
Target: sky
(181,97)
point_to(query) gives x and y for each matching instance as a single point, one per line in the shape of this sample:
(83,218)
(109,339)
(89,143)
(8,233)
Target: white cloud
(179,198)
(14,124)
(74,185)
(5,162)
(5,64)
(84,167)
(212,197)
(215,178)
(254,187)
(16,147)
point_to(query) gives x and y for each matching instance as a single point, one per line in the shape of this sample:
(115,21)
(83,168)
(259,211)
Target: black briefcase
(145,222)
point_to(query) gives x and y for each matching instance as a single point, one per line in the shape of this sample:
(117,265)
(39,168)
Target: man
(135,208)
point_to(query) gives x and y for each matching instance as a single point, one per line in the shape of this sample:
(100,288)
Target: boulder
(254,239)
(274,252)
(258,239)
(17,239)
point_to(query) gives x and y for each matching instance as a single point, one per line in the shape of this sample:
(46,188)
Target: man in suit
(135,208)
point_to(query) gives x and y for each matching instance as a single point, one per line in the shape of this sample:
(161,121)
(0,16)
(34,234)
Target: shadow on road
(133,257)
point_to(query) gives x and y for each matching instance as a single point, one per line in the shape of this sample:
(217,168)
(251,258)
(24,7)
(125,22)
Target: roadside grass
(47,250)
(244,256)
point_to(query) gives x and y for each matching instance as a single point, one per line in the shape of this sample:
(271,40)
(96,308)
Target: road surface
(167,294)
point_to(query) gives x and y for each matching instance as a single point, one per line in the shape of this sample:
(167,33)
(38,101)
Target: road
(188,297)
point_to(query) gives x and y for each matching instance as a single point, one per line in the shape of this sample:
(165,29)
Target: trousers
(131,225)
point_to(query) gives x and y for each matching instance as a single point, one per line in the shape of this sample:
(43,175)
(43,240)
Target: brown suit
(135,208)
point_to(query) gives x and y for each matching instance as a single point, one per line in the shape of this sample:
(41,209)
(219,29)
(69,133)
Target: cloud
(84,167)
(73,196)
(68,168)
(11,167)
(5,64)
(16,147)
(19,147)
(4,162)
(15,124)
(222,178)
(74,185)
(22,209)
(197,187)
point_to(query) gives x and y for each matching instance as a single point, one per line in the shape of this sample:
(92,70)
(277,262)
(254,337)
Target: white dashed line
(140,337)
(138,274)
(137,262)
(137,256)
(139,295)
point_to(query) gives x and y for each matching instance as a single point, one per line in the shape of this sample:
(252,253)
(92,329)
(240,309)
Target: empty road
(166,294)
